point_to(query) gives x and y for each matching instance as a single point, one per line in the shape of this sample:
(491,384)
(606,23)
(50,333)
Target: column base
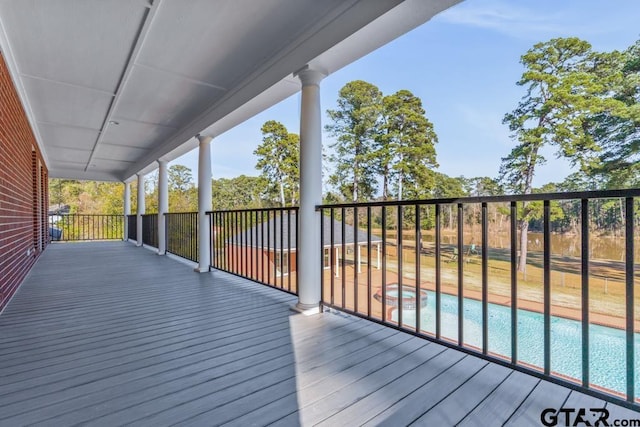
(201,269)
(306,309)
(161,253)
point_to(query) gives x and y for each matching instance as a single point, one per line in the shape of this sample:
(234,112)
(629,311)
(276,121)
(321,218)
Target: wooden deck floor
(110,334)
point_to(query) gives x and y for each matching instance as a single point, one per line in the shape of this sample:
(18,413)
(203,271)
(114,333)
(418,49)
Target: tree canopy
(574,100)
(354,125)
(405,149)
(242,192)
(278,158)
(380,136)
(578,100)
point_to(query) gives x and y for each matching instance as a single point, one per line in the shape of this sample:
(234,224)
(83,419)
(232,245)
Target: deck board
(458,404)
(402,390)
(108,334)
(499,404)
(544,395)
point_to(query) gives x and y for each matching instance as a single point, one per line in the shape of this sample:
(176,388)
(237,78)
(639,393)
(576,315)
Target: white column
(141,209)
(378,261)
(309,264)
(127,209)
(163,205)
(337,262)
(204,202)
(359,258)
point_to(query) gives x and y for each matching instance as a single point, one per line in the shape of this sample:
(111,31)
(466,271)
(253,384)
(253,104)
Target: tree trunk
(400,187)
(282,200)
(355,182)
(524,222)
(621,215)
(524,239)
(385,184)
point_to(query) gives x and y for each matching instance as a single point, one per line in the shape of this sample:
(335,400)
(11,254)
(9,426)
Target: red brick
(24,192)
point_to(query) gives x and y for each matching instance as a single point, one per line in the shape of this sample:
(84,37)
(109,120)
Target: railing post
(630,298)
(584,254)
(460,274)
(140,210)
(546,278)
(309,269)
(204,202)
(163,205)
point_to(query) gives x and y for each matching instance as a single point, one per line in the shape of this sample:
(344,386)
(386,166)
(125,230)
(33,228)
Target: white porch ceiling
(110,86)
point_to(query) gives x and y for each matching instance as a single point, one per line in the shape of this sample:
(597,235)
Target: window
(327,258)
(285,264)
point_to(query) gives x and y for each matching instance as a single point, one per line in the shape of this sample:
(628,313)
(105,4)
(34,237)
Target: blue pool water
(607,360)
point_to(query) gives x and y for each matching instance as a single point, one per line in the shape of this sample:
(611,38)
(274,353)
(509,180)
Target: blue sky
(463,64)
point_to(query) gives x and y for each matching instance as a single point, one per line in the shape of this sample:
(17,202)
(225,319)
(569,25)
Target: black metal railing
(531,281)
(150,229)
(76,227)
(132,227)
(182,234)
(258,244)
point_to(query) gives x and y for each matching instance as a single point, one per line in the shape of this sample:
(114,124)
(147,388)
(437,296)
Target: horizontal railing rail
(150,229)
(132,227)
(570,195)
(83,227)
(532,282)
(258,244)
(182,234)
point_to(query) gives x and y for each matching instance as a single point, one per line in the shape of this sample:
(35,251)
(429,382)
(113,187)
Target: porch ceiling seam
(144,30)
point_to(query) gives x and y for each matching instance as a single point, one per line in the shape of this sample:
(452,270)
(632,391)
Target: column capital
(204,139)
(162,161)
(310,76)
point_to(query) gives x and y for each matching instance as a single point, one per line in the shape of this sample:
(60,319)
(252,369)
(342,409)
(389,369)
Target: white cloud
(510,19)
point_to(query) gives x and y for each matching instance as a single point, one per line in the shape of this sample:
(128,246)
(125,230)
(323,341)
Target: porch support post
(163,205)
(127,209)
(140,210)
(204,202)
(309,252)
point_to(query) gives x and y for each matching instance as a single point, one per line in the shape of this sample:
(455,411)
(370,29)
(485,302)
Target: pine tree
(278,158)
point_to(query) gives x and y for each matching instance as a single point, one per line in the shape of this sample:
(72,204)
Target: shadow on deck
(109,334)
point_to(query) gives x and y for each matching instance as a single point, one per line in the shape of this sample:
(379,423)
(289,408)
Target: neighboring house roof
(253,237)
(59,209)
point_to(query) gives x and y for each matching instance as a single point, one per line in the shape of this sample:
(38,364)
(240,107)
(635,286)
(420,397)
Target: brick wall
(23,191)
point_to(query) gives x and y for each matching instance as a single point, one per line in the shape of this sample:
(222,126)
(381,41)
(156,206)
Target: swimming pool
(607,357)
